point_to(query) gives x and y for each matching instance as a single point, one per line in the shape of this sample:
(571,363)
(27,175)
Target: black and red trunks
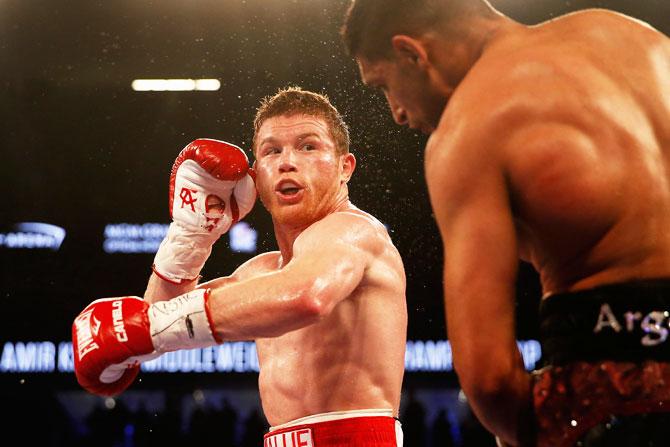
(607,379)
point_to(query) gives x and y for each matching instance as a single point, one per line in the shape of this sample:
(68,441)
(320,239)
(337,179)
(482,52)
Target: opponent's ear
(409,49)
(348,166)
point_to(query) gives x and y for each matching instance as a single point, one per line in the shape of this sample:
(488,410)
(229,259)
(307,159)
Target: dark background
(81,149)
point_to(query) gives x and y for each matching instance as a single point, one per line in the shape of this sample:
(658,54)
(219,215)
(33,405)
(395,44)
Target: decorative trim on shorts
(356,428)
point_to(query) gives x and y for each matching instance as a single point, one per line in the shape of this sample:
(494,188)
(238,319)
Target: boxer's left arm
(211,188)
(468,192)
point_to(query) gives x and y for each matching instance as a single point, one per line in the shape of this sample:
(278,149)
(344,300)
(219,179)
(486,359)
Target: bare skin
(553,147)
(328,309)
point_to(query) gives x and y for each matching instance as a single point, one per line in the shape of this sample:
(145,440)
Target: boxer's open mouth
(289,191)
(288,188)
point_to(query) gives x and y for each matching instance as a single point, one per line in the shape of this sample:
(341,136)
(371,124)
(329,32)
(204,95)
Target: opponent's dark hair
(370,24)
(293,100)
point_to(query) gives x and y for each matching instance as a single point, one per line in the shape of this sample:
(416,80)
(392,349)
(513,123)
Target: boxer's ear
(348,166)
(409,49)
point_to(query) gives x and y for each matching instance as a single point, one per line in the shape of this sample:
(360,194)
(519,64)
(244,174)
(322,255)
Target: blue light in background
(243,238)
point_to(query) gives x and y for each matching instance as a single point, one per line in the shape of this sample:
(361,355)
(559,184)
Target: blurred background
(84,179)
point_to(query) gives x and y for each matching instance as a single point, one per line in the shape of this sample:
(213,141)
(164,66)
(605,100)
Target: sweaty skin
(554,147)
(557,147)
(327,311)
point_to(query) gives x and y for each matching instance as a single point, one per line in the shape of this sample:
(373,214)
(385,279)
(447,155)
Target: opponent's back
(587,151)
(555,148)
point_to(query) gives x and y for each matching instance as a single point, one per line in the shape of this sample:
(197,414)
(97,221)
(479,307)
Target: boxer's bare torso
(575,140)
(353,358)
(328,309)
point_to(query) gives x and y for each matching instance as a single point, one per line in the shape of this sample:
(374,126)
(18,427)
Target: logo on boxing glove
(85,343)
(117,320)
(215,206)
(186,196)
(96,326)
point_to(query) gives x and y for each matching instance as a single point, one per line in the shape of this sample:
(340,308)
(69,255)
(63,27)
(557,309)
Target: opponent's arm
(469,196)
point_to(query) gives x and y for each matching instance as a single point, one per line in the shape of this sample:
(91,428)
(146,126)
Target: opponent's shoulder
(522,67)
(506,82)
(607,19)
(508,91)
(515,83)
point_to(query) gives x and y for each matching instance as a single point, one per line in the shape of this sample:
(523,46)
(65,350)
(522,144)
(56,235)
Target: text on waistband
(654,324)
(295,438)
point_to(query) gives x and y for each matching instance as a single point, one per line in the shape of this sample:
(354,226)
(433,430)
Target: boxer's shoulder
(361,217)
(352,227)
(258,265)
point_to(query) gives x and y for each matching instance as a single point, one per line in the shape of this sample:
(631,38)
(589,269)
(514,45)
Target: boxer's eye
(271,150)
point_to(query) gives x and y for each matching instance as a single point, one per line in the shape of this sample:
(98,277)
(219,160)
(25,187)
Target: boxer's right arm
(329,261)
(112,336)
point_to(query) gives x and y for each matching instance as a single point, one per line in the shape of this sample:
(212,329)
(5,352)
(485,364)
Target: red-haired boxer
(327,311)
(549,143)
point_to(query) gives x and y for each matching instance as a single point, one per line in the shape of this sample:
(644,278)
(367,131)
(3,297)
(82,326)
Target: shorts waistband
(622,322)
(338,429)
(333,416)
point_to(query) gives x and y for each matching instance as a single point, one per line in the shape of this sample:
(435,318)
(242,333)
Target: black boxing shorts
(358,428)
(607,376)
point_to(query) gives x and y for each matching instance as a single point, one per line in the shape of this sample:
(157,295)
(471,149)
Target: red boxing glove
(106,336)
(112,336)
(211,188)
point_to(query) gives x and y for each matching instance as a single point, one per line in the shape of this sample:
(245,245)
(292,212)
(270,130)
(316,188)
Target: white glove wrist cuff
(181,323)
(182,254)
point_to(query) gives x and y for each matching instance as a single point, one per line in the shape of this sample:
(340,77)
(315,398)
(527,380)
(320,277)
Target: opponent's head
(415,51)
(303,163)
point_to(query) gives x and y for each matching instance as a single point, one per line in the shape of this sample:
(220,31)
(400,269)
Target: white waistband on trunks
(333,416)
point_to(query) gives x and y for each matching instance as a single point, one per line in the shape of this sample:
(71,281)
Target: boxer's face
(413,99)
(300,175)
